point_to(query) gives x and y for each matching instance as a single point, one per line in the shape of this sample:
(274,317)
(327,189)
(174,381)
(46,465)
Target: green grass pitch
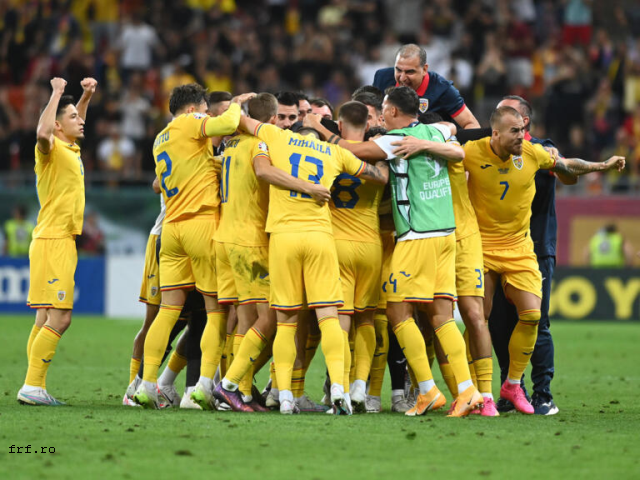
(595,435)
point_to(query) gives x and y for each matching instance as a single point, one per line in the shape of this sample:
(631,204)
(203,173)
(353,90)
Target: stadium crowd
(577,61)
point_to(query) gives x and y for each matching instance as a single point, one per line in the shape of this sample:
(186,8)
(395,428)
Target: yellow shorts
(304,263)
(360,265)
(150,289)
(388,245)
(243,273)
(422,270)
(52,266)
(469,266)
(188,255)
(517,267)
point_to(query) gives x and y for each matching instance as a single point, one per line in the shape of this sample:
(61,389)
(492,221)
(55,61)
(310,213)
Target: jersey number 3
(164,157)
(294,159)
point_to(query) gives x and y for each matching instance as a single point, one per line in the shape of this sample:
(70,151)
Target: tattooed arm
(576,166)
(378,173)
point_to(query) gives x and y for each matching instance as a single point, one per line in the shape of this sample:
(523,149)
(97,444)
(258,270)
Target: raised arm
(378,173)
(577,166)
(47,120)
(409,146)
(88,89)
(227,123)
(274,176)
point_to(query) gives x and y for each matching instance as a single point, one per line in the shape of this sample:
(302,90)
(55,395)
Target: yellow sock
(176,362)
(412,377)
(157,339)
(297,382)
(365,348)
(272,375)
(412,343)
(379,362)
(226,357)
(212,343)
(247,379)
(523,339)
(347,361)
(484,373)
(237,340)
(284,354)
(472,369)
(42,351)
(431,349)
(449,378)
(247,355)
(352,355)
(333,348)
(134,366)
(32,336)
(454,348)
(312,345)
(265,354)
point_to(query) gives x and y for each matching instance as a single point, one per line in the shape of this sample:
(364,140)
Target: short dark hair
(219,96)
(290,99)
(263,106)
(302,96)
(309,131)
(370,99)
(373,131)
(185,95)
(404,99)
(321,102)
(64,102)
(525,107)
(498,113)
(429,117)
(368,89)
(355,114)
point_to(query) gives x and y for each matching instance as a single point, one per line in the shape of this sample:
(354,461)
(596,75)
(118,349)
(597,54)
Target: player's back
(502,191)
(184,165)
(244,198)
(466,222)
(311,160)
(354,209)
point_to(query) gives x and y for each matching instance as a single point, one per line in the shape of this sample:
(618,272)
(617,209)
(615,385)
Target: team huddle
(281,230)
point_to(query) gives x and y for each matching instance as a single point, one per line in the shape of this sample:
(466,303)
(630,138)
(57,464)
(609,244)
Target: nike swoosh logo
(51,282)
(470,400)
(485,166)
(151,276)
(46,361)
(405,274)
(262,277)
(527,353)
(400,362)
(253,360)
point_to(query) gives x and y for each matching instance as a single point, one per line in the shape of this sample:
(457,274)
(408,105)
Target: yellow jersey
(501,192)
(60,188)
(354,209)
(244,200)
(466,221)
(311,160)
(185,168)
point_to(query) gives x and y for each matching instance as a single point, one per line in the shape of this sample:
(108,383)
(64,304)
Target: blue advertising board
(89,296)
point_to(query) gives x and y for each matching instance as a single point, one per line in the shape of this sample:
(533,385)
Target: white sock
(30,388)
(513,382)
(206,382)
(359,384)
(150,386)
(464,385)
(426,386)
(247,398)
(168,377)
(285,395)
(488,396)
(337,390)
(228,385)
(397,393)
(275,393)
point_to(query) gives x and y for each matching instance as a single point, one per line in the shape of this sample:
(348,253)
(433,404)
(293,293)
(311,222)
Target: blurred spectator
(18,231)
(117,155)
(608,249)
(577,22)
(91,242)
(137,42)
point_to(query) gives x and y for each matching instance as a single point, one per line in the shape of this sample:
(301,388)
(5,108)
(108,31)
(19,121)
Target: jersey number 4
(295,159)
(170,192)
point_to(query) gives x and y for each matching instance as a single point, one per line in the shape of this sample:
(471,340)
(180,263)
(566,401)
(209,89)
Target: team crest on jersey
(154,291)
(61,295)
(199,115)
(263,146)
(424,105)
(517,161)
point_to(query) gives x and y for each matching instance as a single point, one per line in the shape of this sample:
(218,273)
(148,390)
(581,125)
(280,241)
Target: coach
(437,94)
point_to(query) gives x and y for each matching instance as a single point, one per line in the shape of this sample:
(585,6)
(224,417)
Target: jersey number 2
(164,157)
(294,159)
